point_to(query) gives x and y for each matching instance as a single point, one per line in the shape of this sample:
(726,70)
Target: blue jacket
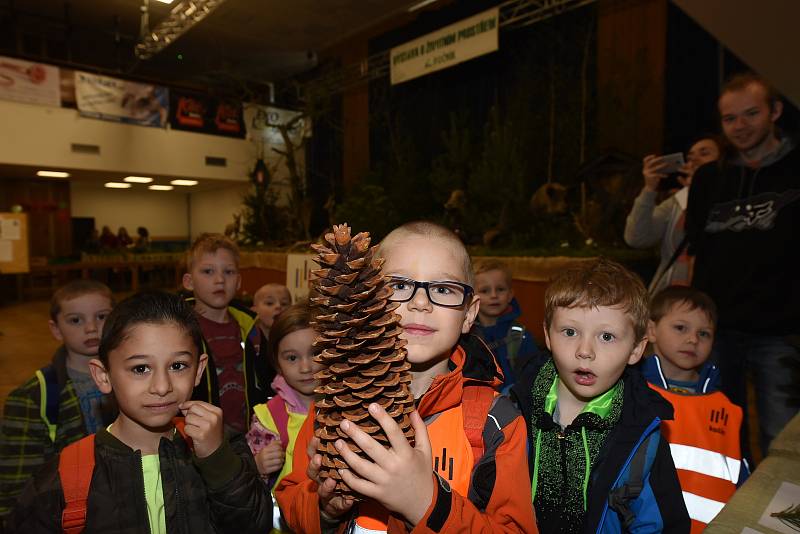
(497,338)
(659,506)
(709,381)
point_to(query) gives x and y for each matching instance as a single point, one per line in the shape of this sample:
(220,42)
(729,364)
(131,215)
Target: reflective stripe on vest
(452,460)
(700,509)
(704,442)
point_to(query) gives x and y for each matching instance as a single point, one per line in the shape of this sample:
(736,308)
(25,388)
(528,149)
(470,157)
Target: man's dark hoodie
(743,226)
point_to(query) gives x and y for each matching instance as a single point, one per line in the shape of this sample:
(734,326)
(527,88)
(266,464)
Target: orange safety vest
(455,446)
(704,441)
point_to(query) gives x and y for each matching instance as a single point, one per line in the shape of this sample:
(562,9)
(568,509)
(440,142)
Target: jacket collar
(106,439)
(653,373)
(471,364)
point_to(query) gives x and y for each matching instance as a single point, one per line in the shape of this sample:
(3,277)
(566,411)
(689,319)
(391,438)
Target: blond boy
(409,487)
(61,403)
(238,374)
(269,302)
(498,322)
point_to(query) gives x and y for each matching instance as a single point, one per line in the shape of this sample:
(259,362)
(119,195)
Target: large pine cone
(357,342)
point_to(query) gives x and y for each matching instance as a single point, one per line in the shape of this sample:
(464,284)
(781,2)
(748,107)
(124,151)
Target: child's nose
(160,383)
(585,350)
(420,300)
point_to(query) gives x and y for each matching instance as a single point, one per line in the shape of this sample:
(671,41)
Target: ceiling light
(184,182)
(52,174)
(420,5)
(160,187)
(165,1)
(117,185)
(138,179)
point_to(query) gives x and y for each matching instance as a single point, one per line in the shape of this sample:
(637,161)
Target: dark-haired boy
(704,437)
(596,456)
(61,403)
(238,374)
(150,471)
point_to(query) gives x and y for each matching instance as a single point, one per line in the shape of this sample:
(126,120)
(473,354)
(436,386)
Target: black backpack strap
(620,499)
(484,472)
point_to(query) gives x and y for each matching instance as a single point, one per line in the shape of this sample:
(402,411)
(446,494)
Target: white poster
(31,83)
(261,122)
(298,273)
(120,100)
(6,251)
(454,44)
(10,229)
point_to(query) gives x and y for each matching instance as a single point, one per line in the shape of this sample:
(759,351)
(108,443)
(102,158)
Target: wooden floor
(25,342)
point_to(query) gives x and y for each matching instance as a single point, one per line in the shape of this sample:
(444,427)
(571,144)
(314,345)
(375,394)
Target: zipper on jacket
(562,445)
(181,520)
(144,493)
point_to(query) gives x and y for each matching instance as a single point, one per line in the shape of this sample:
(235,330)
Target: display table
(56,275)
(748,504)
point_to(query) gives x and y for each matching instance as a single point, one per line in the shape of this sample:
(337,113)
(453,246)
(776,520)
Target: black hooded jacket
(641,407)
(218,494)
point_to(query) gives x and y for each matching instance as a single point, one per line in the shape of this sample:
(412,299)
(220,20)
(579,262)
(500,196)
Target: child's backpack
(75,468)
(512,342)
(49,397)
(277,409)
(621,497)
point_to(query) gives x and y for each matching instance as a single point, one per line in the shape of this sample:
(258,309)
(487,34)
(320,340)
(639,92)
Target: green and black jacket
(218,494)
(257,370)
(30,435)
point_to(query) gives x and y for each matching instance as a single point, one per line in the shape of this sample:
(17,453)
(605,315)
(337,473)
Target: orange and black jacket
(258,372)
(498,498)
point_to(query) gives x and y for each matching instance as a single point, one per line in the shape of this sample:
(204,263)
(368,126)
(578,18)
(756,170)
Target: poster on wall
(298,274)
(261,121)
(449,46)
(118,100)
(31,83)
(204,114)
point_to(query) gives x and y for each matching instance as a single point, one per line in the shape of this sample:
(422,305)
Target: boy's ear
(546,336)
(100,375)
(55,330)
(202,361)
(651,331)
(188,282)
(472,313)
(637,352)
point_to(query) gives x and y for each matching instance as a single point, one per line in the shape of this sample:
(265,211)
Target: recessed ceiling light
(117,185)
(160,187)
(52,174)
(165,1)
(138,179)
(184,182)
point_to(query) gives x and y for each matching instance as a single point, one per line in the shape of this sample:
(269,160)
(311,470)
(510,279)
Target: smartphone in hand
(672,162)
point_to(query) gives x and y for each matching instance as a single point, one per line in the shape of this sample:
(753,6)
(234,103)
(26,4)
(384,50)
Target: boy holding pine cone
(356,468)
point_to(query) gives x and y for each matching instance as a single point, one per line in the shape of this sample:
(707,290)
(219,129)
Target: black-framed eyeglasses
(447,293)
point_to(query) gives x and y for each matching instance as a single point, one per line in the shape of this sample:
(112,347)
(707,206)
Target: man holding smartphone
(649,224)
(742,221)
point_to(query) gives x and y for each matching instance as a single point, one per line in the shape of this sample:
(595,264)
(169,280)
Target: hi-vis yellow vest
(293,425)
(704,441)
